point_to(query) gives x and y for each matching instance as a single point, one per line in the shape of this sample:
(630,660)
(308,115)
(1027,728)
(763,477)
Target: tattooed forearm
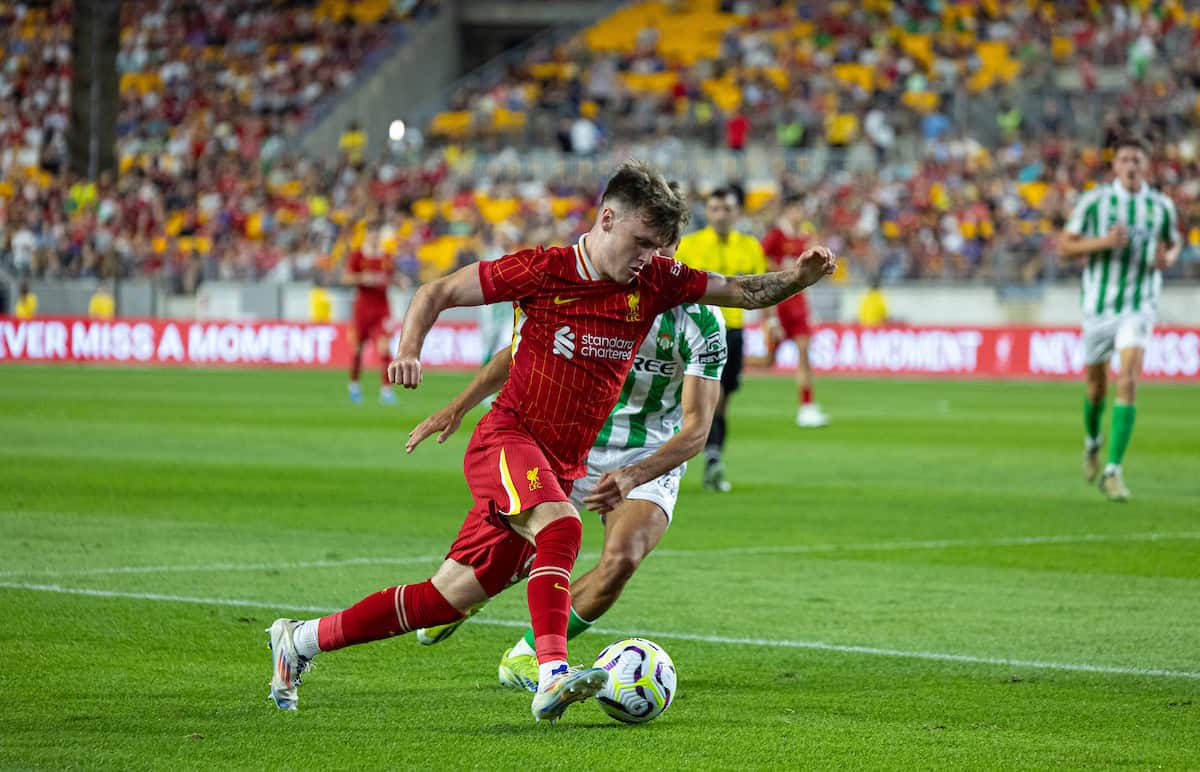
(767,289)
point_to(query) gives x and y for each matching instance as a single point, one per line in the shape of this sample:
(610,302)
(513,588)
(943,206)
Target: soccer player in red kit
(783,243)
(370,270)
(584,310)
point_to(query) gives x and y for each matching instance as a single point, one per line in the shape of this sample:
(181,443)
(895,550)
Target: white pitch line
(935,544)
(796,549)
(715,639)
(167,569)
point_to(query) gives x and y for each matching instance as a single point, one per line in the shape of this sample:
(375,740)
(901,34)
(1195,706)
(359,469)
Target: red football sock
(383,366)
(355,366)
(389,612)
(549,587)
(806,395)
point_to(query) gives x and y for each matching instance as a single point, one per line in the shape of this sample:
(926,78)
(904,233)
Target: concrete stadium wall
(915,303)
(977,305)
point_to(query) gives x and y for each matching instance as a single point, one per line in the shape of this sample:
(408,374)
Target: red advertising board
(977,352)
(935,351)
(173,342)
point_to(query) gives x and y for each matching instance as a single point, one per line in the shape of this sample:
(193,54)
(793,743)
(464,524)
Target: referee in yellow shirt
(721,249)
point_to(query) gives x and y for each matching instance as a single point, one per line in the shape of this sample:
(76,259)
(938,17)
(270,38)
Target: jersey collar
(583,263)
(1120,190)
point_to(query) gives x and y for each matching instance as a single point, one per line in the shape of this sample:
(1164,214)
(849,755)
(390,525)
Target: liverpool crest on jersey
(634,299)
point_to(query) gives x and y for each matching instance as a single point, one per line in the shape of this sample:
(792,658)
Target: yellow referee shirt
(320,305)
(26,306)
(736,255)
(102,305)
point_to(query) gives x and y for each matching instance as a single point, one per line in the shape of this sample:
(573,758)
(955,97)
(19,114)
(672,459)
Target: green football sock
(1122,430)
(1092,413)
(575,625)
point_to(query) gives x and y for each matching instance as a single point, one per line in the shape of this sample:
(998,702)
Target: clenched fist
(405,371)
(814,263)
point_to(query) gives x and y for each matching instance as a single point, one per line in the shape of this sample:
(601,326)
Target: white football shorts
(1103,335)
(662,491)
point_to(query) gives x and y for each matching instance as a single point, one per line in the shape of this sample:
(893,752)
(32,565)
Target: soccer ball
(641,680)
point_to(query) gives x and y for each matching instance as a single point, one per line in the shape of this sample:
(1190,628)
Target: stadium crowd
(208,188)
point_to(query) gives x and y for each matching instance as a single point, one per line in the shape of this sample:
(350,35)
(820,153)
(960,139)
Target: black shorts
(731,376)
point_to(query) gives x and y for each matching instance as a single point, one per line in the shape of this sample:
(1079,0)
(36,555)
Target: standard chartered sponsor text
(605,347)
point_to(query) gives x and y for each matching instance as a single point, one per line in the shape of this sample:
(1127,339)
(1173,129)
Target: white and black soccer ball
(641,680)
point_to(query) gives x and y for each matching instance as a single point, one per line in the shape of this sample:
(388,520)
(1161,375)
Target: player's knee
(617,566)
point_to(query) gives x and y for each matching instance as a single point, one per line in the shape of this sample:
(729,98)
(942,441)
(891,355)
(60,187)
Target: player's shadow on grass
(588,725)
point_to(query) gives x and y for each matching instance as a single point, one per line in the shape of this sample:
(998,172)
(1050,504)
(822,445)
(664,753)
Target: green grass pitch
(926,583)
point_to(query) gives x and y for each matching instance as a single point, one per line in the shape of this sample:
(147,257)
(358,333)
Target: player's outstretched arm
(766,289)
(699,402)
(1074,245)
(448,419)
(461,288)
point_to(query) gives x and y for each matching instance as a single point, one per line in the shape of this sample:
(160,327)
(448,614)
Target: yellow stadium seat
(507,120)
(921,101)
(451,124)
(439,256)
(1008,70)
(724,93)
(651,82)
(757,198)
(1062,47)
(919,47)
(498,210)
(1033,192)
(855,75)
(175,223)
(547,71)
(254,224)
(841,128)
(981,81)
(777,75)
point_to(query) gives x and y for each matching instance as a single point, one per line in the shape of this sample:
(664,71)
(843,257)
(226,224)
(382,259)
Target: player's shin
(1122,430)
(393,611)
(1092,413)
(549,589)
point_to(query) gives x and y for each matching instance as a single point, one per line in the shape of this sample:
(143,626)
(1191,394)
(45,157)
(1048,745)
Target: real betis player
(661,420)
(1127,233)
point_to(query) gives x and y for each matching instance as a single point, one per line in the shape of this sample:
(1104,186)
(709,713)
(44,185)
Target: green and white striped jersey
(687,340)
(1123,280)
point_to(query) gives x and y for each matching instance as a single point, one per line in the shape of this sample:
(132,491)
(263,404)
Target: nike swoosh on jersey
(563,301)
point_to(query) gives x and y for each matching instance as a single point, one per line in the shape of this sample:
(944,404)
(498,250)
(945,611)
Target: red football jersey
(374,296)
(779,247)
(574,341)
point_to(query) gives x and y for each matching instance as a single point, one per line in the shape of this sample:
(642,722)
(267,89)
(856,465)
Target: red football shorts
(369,319)
(507,474)
(793,316)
